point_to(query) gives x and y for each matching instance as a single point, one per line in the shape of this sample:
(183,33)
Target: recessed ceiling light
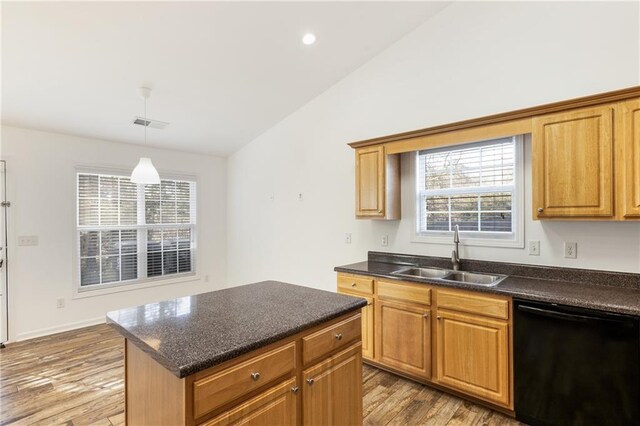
(309,38)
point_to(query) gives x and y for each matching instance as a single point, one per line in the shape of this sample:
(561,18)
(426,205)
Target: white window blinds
(472,186)
(129,233)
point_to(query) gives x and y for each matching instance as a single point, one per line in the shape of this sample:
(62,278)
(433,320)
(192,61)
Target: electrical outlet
(300,196)
(28,240)
(384,241)
(534,248)
(570,250)
(60,303)
(347,238)
(206,278)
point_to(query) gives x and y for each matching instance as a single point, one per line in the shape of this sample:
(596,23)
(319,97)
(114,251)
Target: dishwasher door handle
(571,317)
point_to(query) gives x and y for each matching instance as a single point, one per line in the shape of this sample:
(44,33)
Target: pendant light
(145,173)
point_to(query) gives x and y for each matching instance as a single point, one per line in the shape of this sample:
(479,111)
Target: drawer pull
(439,317)
(255,376)
(310,381)
(425,316)
(295,390)
(339,336)
(353,284)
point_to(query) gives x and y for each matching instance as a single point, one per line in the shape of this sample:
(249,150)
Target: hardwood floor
(77,378)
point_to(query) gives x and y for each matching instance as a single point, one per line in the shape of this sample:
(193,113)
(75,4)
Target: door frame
(4,255)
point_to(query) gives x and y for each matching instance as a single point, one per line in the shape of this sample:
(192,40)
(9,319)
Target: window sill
(102,290)
(470,242)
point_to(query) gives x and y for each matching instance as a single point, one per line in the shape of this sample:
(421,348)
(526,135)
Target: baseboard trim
(57,329)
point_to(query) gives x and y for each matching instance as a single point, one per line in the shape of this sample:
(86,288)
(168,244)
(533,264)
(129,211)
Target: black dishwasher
(575,367)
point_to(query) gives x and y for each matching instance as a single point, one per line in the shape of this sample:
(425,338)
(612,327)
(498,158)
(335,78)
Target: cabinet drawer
(474,303)
(355,284)
(331,338)
(222,387)
(415,293)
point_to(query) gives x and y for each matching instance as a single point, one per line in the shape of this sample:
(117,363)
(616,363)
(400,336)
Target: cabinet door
(628,159)
(276,406)
(370,182)
(332,390)
(572,164)
(403,337)
(367,324)
(473,356)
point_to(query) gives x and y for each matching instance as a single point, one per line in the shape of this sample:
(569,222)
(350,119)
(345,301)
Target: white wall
(470,60)
(41,171)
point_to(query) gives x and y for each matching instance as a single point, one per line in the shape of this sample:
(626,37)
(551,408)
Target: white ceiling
(221,73)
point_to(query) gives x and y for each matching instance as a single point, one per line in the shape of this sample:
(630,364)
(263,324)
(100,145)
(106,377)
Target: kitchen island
(270,352)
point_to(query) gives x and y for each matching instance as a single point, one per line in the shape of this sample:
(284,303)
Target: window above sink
(477,186)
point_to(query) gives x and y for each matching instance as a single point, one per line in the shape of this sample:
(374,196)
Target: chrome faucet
(455,257)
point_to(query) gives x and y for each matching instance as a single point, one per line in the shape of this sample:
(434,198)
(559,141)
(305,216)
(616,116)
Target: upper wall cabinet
(628,159)
(377,184)
(572,164)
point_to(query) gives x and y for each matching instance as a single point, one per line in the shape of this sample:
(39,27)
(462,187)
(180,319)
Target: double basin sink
(439,274)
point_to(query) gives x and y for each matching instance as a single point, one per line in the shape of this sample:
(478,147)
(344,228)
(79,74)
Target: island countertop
(190,334)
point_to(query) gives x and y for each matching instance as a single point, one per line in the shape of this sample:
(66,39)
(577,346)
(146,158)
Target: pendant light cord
(146,122)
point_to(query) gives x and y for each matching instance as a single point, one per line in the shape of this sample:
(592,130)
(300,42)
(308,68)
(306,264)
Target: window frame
(139,283)
(514,239)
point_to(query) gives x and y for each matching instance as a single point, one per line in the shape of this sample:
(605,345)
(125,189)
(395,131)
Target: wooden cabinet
(403,336)
(377,184)
(628,159)
(262,387)
(473,355)
(332,390)
(572,164)
(361,287)
(277,406)
(455,339)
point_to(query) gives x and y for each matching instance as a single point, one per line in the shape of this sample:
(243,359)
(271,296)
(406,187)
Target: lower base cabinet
(472,355)
(404,337)
(453,338)
(332,390)
(277,406)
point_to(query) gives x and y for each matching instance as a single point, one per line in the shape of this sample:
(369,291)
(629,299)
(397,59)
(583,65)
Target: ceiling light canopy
(309,38)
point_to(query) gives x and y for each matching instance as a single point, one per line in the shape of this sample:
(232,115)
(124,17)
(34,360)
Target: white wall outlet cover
(300,197)
(60,303)
(384,240)
(570,250)
(28,240)
(347,238)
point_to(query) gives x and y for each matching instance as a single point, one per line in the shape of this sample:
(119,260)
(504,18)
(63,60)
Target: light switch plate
(534,248)
(347,238)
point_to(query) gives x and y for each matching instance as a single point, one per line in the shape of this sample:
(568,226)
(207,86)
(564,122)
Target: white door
(4,326)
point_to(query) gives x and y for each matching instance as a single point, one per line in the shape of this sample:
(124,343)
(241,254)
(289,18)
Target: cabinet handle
(255,376)
(540,209)
(339,336)
(425,316)
(295,389)
(310,381)
(439,317)
(353,284)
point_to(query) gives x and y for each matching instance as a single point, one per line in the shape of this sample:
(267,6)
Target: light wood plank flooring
(77,378)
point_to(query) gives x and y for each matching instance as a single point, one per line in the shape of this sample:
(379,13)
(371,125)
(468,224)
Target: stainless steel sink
(474,278)
(423,272)
(452,276)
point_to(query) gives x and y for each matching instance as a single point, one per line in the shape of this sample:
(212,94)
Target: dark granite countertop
(190,334)
(600,290)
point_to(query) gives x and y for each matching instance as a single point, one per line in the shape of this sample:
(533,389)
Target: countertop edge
(196,367)
(501,291)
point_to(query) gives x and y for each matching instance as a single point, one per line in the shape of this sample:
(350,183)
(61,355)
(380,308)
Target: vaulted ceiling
(221,72)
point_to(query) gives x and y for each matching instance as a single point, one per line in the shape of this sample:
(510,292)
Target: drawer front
(406,292)
(222,387)
(331,338)
(354,284)
(474,303)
